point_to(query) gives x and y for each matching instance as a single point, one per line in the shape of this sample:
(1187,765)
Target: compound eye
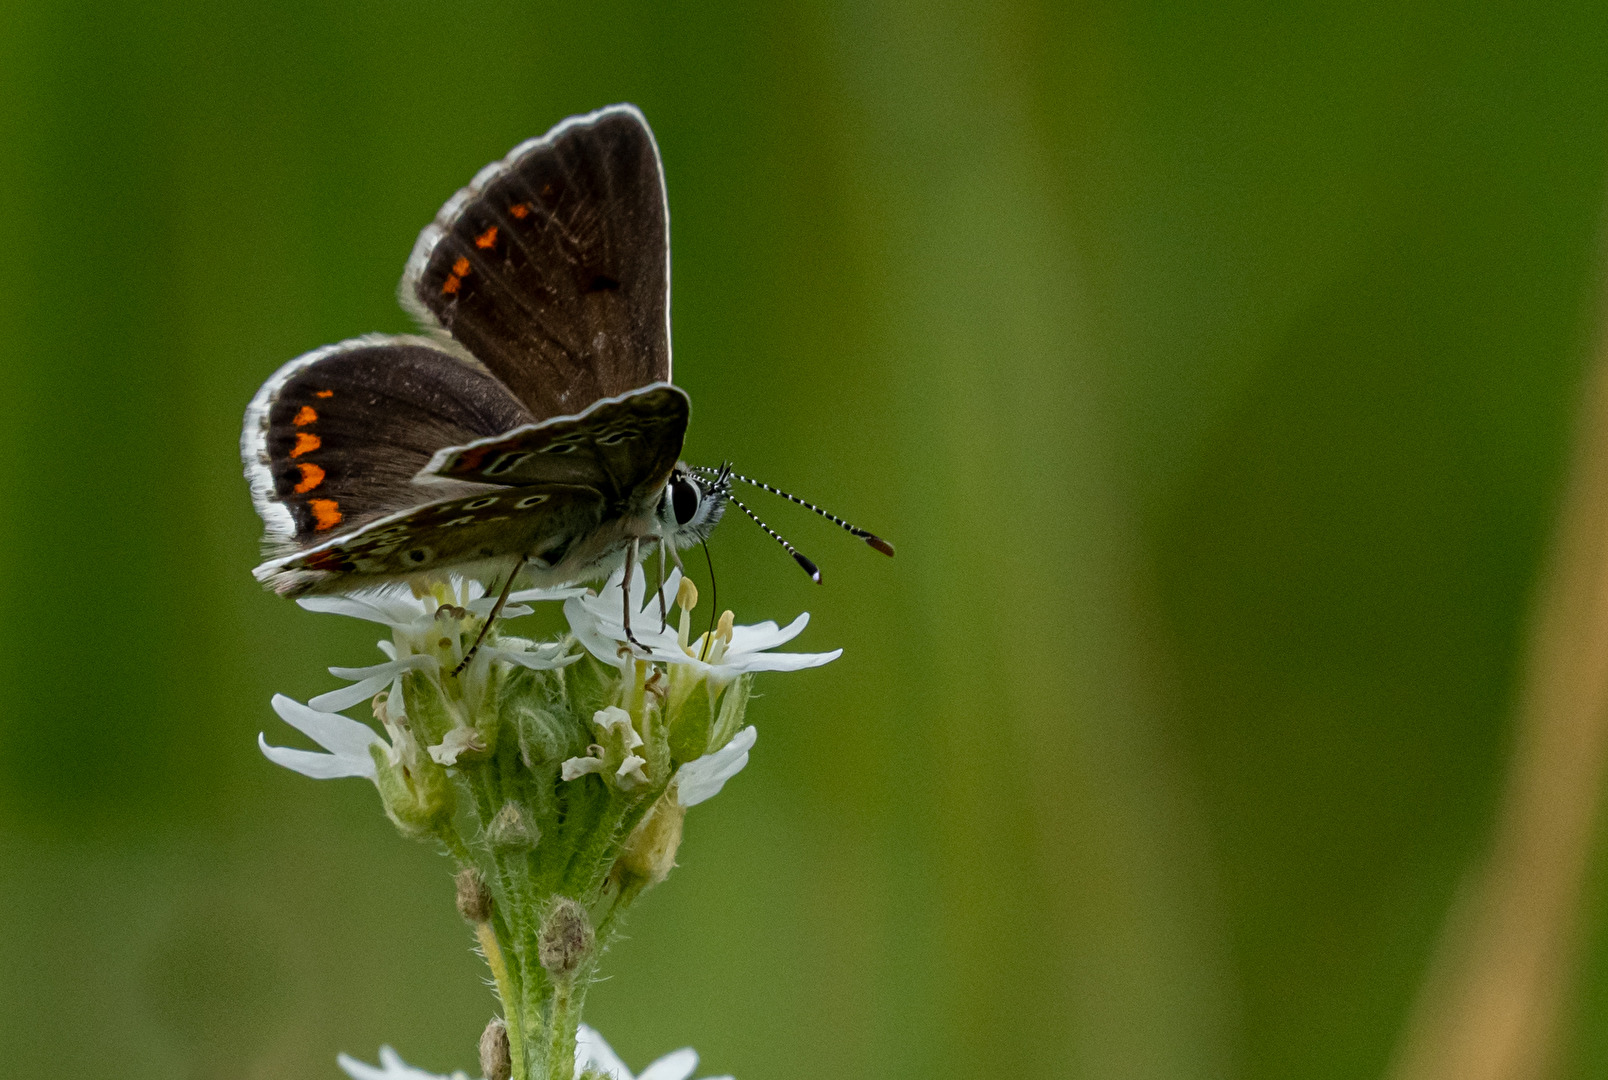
(684,497)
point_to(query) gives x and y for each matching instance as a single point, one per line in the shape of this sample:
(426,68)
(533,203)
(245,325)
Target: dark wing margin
(553,266)
(334,438)
(626,446)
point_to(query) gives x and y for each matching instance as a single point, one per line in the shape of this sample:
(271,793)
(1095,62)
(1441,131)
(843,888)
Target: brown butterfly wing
(552,267)
(335,438)
(625,446)
(543,521)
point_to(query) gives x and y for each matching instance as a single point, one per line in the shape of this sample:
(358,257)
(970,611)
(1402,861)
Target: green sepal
(418,797)
(689,722)
(733,706)
(430,715)
(589,685)
(487,716)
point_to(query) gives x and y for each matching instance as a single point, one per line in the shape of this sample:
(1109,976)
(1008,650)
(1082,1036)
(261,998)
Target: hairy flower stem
(492,950)
(561,1030)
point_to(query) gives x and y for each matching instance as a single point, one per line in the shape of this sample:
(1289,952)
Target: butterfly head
(692,504)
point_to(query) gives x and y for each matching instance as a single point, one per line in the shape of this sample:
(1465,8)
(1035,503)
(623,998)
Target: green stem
(456,848)
(561,1030)
(509,996)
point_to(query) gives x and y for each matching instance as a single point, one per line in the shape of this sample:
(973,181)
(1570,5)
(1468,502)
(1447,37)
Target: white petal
(783,661)
(602,631)
(510,610)
(631,770)
(592,1052)
(580,766)
(359,1070)
(341,735)
(536,661)
(701,780)
(390,608)
(676,1065)
(371,680)
(459,740)
(613,720)
(584,625)
(766,635)
(603,614)
(532,596)
(391,1067)
(347,696)
(318,766)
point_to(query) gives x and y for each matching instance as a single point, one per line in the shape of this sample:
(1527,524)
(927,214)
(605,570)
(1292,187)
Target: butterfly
(532,430)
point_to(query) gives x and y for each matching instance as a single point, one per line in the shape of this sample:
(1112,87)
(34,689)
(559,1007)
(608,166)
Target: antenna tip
(881,545)
(809,568)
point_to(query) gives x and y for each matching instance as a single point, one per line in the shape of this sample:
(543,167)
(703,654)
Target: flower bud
(474,899)
(496,1057)
(430,715)
(543,737)
(511,827)
(566,937)
(650,850)
(416,794)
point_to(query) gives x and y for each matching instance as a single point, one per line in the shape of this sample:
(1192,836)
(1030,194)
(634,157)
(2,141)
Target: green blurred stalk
(1497,988)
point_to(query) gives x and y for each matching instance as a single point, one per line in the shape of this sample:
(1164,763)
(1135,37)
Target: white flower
(457,741)
(577,767)
(419,626)
(597,620)
(700,780)
(417,633)
(619,739)
(391,1067)
(346,740)
(591,1052)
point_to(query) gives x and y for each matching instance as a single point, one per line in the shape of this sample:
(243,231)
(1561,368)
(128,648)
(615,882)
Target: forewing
(627,446)
(553,266)
(334,439)
(541,521)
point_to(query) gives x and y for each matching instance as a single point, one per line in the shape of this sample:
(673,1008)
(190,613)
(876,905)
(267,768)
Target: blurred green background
(1212,366)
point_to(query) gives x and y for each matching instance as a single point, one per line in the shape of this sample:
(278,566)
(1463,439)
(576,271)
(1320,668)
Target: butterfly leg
(664,614)
(631,557)
(502,598)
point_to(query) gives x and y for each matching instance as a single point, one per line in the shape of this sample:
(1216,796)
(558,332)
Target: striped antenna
(809,568)
(869,537)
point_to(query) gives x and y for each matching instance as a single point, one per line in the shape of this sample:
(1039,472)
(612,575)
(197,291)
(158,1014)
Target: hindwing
(627,446)
(335,437)
(543,521)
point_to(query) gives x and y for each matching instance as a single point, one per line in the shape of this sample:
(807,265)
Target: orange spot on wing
(306,443)
(325,393)
(519,210)
(487,239)
(326,513)
(306,415)
(451,285)
(461,267)
(312,476)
